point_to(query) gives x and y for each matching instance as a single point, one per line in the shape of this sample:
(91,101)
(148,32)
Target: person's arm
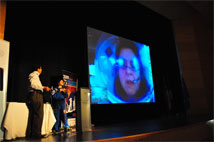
(46,88)
(58,95)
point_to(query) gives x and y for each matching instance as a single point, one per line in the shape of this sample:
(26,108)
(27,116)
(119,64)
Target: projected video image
(119,69)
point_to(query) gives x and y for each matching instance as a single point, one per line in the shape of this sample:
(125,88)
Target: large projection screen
(120,69)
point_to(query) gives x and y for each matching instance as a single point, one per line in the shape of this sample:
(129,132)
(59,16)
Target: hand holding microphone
(46,88)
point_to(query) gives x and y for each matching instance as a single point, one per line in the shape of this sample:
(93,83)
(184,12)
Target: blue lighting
(104,72)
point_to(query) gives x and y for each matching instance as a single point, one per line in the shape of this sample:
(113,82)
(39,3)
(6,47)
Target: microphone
(135,80)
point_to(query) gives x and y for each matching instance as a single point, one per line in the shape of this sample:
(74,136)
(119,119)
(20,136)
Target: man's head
(37,68)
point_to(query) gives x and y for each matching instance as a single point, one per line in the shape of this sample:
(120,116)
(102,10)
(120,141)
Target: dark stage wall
(54,34)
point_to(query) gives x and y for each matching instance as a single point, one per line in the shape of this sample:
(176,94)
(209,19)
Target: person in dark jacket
(59,94)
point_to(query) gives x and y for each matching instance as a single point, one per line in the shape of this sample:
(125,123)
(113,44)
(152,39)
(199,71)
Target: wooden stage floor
(171,128)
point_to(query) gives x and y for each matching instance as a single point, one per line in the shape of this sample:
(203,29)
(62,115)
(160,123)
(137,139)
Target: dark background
(54,34)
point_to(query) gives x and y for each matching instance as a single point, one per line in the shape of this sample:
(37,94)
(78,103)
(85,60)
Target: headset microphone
(135,81)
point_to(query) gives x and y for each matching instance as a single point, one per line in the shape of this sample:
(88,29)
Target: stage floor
(118,131)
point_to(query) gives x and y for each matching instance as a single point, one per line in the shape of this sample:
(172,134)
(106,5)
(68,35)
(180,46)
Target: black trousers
(35,119)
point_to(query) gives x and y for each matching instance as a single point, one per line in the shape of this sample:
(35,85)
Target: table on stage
(16,119)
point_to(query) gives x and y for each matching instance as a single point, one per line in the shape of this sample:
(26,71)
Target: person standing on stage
(59,95)
(35,103)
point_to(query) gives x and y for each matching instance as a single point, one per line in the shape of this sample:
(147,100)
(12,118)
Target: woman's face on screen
(129,71)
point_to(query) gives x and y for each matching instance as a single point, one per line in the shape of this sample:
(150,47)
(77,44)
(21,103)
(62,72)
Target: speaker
(1,79)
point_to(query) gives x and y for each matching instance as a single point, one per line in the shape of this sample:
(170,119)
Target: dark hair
(36,66)
(118,89)
(125,43)
(58,78)
(55,80)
